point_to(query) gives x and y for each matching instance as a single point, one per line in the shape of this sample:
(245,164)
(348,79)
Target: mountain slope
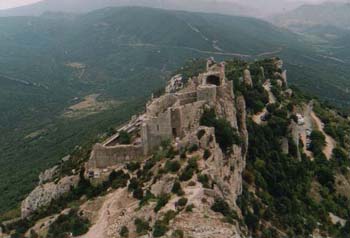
(333,14)
(117,57)
(250,160)
(83,6)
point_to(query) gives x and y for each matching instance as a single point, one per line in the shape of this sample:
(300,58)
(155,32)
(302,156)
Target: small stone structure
(173,115)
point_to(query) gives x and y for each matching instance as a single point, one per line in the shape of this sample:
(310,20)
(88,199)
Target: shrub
(225,135)
(318,142)
(191,167)
(124,231)
(124,138)
(183,154)
(192,163)
(200,134)
(168,216)
(204,180)
(206,154)
(252,221)
(177,234)
(187,174)
(189,208)
(182,202)
(221,206)
(68,223)
(118,179)
(171,153)
(177,189)
(138,193)
(172,166)
(192,183)
(33,234)
(248,177)
(193,148)
(133,166)
(141,226)
(148,196)
(161,226)
(133,184)
(162,201)
(159,229)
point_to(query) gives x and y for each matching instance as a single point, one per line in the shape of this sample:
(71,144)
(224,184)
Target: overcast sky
(15,3)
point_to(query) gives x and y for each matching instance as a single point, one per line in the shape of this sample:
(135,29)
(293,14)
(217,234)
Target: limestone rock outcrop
(193,160)
(48,175)
(44,194)
(247,78)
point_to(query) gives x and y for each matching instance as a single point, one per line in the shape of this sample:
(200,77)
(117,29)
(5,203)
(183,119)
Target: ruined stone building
(171,116)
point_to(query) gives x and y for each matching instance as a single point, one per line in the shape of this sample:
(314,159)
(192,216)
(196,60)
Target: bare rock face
(279,83)
(44,194)
(247,77)
(207,224)
(242,123)
(163,186)
(48,175)
(206,174)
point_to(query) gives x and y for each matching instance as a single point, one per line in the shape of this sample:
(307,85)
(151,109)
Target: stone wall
(161,104)
(171,116)
(206,93)
(103,157)
(190,116)
(188,97)
(155,130)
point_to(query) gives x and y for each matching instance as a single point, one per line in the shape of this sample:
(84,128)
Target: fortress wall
(186,98)
(188,101)
(161,104)
(182,96)
(176,122)
(102,157)
(190,116)
(206,93)
(226,89)
(156,130)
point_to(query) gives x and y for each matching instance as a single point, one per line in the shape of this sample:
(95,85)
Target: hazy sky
(16,3)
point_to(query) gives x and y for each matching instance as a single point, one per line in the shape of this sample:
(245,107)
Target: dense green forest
(52,62)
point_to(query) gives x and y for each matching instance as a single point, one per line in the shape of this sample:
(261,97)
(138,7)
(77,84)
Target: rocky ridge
(227,171)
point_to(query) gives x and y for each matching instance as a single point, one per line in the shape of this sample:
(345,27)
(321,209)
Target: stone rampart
(103,156)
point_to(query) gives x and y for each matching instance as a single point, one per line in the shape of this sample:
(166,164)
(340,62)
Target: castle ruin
(169,117)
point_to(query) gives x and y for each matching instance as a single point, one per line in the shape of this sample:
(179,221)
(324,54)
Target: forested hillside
(65,79)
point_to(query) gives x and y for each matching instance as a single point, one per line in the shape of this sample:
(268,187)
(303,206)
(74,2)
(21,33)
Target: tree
(124,138)
(318,141)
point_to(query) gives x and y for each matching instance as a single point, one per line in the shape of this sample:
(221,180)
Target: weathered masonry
(171,116)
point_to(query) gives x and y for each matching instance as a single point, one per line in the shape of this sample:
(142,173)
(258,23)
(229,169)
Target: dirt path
(99,227)
(272,99)
(191,49)
(270,53)
(313,122)
(330,142)
(114,204)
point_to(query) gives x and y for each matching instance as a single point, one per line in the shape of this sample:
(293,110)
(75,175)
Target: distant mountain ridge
(330,13)
(83,6)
